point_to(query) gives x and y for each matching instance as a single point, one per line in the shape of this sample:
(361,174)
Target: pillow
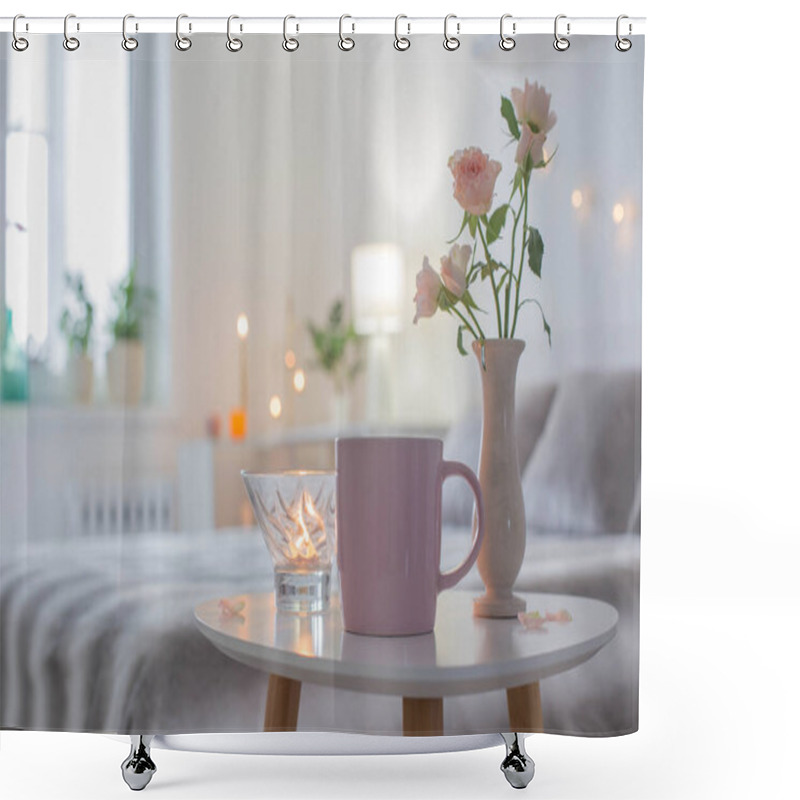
(584,473)
(463,443)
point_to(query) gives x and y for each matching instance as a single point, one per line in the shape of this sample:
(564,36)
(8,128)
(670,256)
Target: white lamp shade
(376,285)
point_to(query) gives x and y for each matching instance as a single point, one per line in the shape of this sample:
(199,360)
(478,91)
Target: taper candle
(242,328)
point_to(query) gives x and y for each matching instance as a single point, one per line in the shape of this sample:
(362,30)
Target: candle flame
(299,381)
(275,406)
(308,521)
(242,326)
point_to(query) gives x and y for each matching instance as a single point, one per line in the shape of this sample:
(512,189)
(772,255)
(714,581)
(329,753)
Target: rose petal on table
(533,621)
(559,616)
(228,610)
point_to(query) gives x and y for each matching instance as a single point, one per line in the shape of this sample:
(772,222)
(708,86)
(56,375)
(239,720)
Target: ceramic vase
(125,367)
(503,547)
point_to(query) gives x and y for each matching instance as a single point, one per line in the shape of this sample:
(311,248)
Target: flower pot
(340,408)
(125,367)
(503,546)
(80,378)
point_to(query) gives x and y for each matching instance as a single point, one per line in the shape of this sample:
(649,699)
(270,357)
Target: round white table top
(464,654)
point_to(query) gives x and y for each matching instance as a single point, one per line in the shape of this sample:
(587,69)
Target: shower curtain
(224,258)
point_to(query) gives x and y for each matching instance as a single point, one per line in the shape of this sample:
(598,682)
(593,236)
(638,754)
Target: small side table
(463,655)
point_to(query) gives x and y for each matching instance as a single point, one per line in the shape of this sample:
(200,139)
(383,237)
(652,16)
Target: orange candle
(238,423)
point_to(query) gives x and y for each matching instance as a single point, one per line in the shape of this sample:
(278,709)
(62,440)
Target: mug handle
(450,469)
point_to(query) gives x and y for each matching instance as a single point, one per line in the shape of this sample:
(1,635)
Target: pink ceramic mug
(389,532)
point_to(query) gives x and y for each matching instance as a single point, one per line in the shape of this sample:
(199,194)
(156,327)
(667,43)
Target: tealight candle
(296,514)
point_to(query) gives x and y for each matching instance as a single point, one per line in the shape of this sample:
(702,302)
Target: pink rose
(532,106)
(474,176)
(454,268)
(428,288)
(532,143)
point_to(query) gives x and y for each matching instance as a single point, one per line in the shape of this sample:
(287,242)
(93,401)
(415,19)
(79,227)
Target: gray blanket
(99,636)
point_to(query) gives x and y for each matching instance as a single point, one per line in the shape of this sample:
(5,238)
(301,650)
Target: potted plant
(76,323)
(337,350)
(125,361)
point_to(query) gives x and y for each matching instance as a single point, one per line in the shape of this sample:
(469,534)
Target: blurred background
(209,260)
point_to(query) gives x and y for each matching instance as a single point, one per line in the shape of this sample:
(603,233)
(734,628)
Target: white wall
(281,166)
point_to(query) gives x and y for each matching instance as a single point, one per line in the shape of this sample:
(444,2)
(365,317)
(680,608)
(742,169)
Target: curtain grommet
(451,43)
(234,44)
(507,42)
(182,43)
(19,43)
(129,43)
(70,43)
(401,43)
(622,44)
(561,43)
(289,44)
(346,43)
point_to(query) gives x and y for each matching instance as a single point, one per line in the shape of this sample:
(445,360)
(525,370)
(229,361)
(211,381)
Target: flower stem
(522,253)
(466,322)
(513,251)
(475,320)
(494,283)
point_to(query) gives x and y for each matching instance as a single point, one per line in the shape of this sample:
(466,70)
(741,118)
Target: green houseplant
(337,351)
(77,326)
(125,361)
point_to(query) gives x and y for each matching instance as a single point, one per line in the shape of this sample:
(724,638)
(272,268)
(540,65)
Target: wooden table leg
(423,716)
(525,708)
(283,703)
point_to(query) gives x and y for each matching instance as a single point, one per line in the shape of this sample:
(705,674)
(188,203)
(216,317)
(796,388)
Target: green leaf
(496,223)
(461,229)
(547,330)
(460,340)
(474,270)
(443,300)
(507,110)
(535,251)
(545,324)
(468,301)
(517,181)
(473,225)
(488,269)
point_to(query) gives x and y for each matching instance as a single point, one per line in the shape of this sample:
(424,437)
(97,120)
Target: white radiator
(100,508)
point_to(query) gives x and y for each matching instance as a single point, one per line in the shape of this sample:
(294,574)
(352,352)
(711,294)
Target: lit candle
(242,328)
(238,419)
(275,406)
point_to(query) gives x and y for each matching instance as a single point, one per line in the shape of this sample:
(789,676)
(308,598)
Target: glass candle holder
(297,515)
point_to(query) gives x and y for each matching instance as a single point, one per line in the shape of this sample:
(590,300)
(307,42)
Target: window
(70,199)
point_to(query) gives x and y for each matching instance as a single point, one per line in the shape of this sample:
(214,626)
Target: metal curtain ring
(129,43)
(183,43)
(70,43)
(561,43)
(451,42)
(233,44)
(401,42)
(19,43)
(507,42)
(346,43)
(623,45)
(290,44)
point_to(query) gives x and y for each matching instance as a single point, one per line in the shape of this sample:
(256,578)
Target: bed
(99,636)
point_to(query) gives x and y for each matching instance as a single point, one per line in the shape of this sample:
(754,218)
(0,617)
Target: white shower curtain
(211,184)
